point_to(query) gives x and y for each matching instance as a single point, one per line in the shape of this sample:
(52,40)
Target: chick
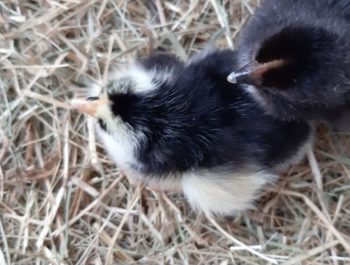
(174,125)
(294,57)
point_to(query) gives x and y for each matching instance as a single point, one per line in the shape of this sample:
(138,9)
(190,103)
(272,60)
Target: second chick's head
(296,71)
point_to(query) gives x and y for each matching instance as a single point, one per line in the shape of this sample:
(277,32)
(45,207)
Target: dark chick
(294,57)
(171,125)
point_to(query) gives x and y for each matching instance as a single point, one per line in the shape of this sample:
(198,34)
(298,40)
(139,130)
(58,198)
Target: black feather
(102,124)
(313,36)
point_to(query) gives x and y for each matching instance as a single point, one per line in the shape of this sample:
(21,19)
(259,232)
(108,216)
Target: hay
(62,201)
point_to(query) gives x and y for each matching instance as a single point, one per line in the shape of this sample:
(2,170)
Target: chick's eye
(92,98)
(102,124)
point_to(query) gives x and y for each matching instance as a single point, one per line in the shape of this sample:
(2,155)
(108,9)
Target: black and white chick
(294,57)
(182,126)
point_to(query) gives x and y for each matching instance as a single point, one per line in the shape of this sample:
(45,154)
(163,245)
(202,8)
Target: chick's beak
(248,74)
(88,106)
(254,72)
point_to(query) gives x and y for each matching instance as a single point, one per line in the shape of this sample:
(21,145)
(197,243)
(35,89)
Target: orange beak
(87,106)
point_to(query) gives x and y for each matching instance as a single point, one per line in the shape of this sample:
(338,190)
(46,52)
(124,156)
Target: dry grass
(62,201)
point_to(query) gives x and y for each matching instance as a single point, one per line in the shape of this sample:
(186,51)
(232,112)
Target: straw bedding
(62,200)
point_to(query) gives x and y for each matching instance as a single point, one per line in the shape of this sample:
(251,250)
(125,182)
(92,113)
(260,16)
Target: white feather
(224,193)
(144,81)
